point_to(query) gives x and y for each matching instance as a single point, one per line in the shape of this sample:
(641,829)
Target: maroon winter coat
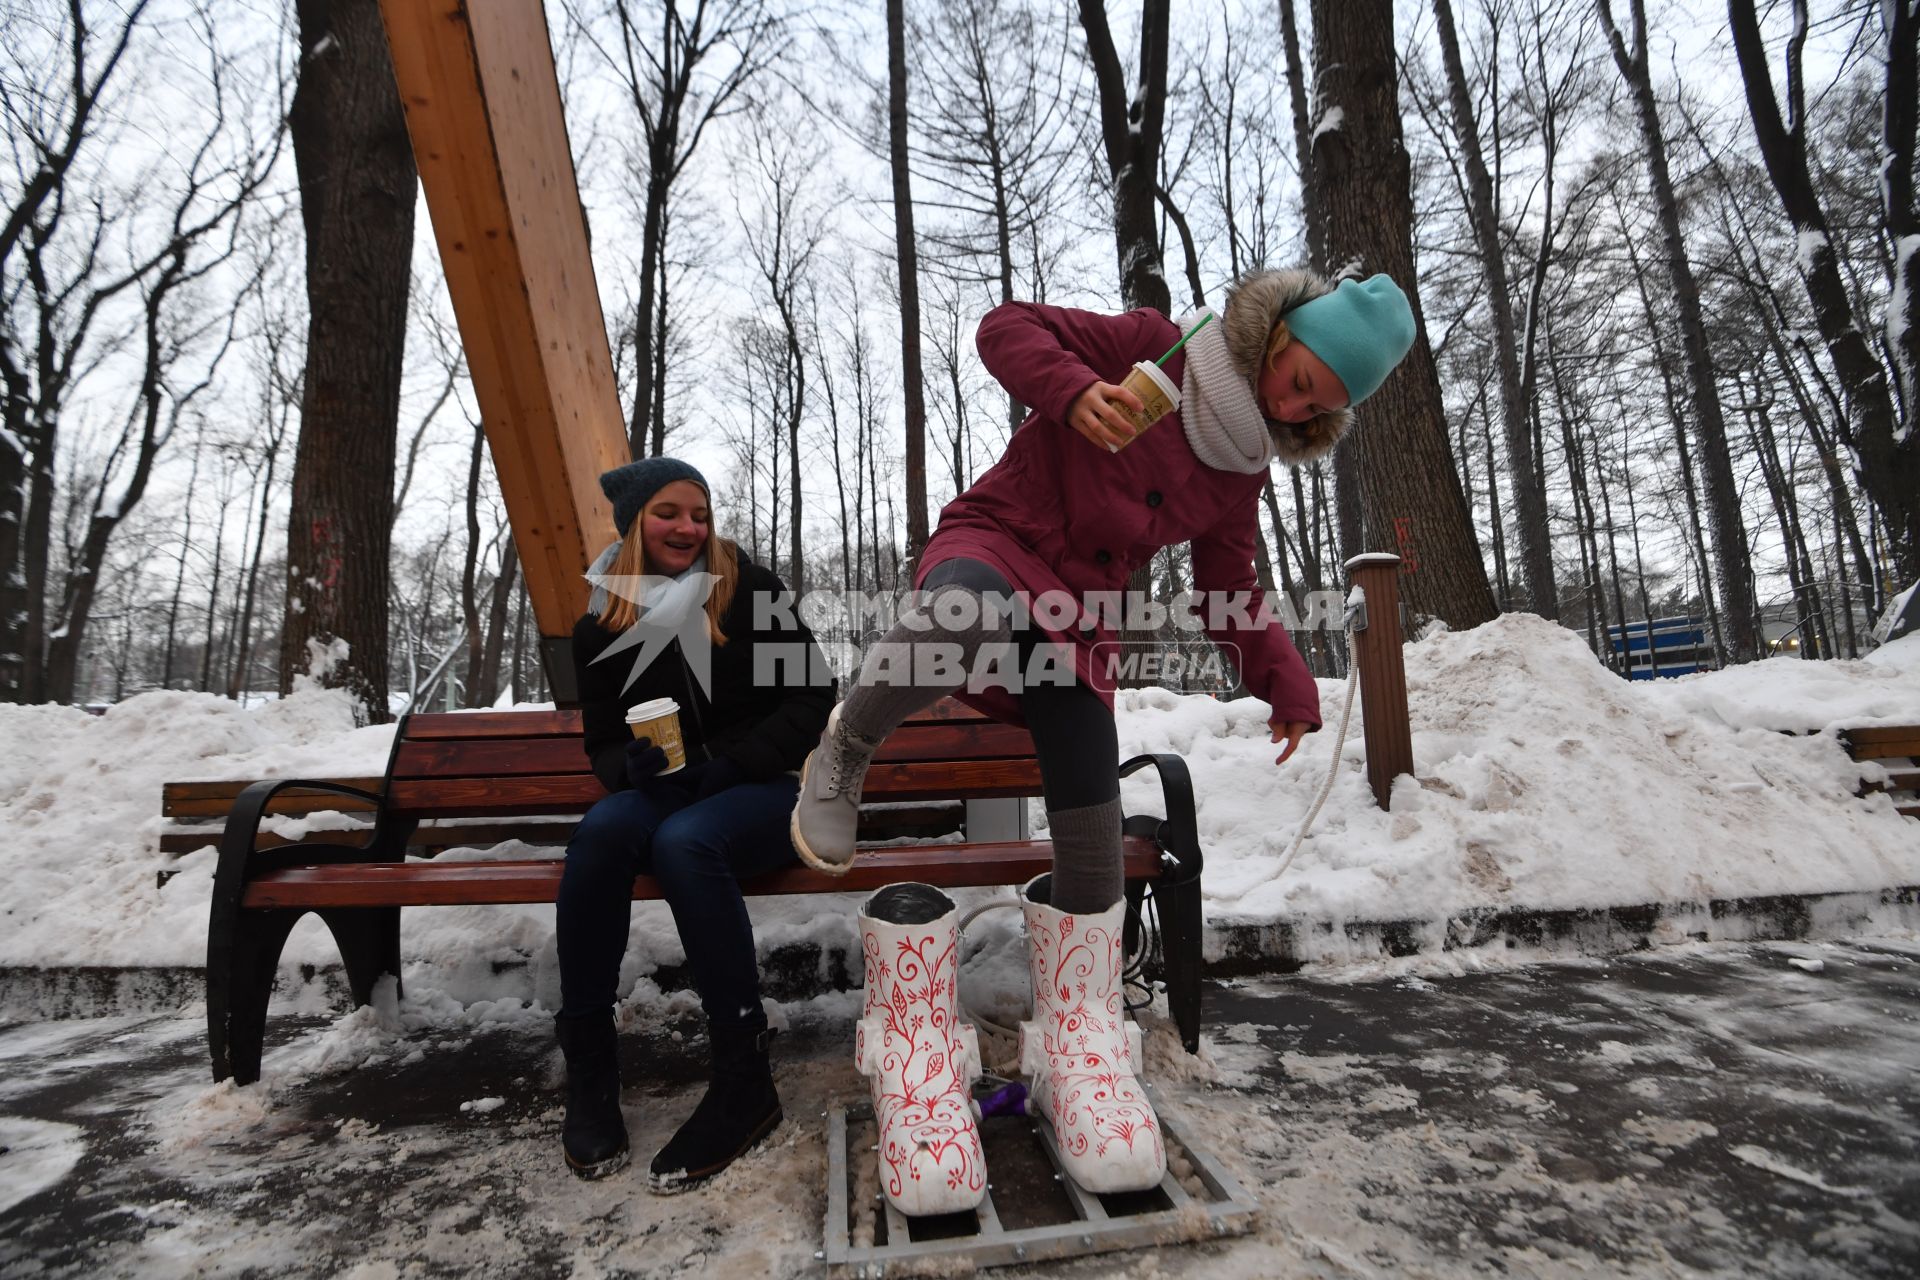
(1059,512)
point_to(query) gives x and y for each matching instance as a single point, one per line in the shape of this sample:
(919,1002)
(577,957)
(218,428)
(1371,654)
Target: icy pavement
(1703,1110)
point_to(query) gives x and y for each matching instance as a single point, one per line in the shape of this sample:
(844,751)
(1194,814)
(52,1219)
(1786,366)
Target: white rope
(1333,769)
(1306,825)
(967,1014)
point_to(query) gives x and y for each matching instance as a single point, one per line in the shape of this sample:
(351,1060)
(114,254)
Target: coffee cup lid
(1160,378)
(651,710)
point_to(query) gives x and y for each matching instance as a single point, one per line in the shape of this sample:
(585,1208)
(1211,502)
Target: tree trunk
(907,261)
(356,201)
(1889,460)
(205,683)
(1409,495)
(487,683)
(645,434)
(1132,120)
(238,678)
(1525,487)
(1683,451)
(1733,563)
(1901,26)
(180,573)
(470,569)
(1311,212)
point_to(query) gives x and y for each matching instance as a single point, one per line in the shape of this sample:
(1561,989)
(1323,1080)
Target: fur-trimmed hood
(1255,302)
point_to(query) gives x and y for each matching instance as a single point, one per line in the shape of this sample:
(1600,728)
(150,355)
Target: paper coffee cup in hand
(660,721)
(1159,395)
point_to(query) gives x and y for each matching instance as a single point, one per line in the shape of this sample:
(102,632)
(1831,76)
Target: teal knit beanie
(628,488)
(1362,330)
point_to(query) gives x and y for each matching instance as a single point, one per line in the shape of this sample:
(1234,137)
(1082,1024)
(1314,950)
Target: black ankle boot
(594,1134)
(739,1109)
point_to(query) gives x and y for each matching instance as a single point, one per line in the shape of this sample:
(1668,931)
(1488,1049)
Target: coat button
(1102,556)
(1154,499)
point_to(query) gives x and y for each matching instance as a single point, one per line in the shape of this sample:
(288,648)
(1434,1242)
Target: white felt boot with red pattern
(920,1060)
(1081,1055)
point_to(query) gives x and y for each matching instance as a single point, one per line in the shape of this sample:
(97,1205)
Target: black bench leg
(240,971)
(369,939)
(1180,937)
(1130,940)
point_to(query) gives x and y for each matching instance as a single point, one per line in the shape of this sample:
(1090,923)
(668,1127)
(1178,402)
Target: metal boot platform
(1032,1211)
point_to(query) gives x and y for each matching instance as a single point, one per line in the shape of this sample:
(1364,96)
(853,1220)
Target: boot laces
(847,764)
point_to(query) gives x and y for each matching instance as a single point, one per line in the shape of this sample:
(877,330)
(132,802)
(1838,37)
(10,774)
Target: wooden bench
(525,775)
(1897,748)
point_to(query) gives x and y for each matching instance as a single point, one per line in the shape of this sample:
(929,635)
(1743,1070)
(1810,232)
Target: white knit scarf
(1217,405)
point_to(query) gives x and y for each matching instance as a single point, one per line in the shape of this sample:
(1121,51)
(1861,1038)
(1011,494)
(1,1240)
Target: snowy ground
(1541,782)
(1701,1109)
(1714,1110)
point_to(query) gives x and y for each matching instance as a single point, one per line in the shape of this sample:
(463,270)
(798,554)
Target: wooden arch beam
(477,80)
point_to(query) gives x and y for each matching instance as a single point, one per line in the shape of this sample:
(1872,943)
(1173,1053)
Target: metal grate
(1046,1216)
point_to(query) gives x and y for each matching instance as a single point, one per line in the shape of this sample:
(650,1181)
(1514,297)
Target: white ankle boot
(1080,1054)
(920,1061)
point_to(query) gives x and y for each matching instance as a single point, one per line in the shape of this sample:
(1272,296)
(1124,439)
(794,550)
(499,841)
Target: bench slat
(575,793)
(1888,747)
(492,724)
(423,884)
(521,724)
(953,780)
(215,799)
(875,824)
(1875,734)
(443,758)
(448,760)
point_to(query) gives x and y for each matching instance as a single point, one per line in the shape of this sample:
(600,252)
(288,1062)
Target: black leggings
(1073,730)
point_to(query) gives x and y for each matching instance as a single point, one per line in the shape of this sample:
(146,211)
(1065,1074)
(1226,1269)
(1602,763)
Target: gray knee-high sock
(1087,873)
(953,617)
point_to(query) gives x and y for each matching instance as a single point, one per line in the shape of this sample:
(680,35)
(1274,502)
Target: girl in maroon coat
(1012,585)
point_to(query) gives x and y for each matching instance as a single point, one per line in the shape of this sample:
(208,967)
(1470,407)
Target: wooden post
(1383,672)
(483,109)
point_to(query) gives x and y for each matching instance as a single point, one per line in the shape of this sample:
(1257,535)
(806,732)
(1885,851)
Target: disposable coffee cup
(1158,394)
(660,720)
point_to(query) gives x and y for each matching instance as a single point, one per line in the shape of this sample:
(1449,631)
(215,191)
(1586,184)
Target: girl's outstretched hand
(1100,414)
(1292,731)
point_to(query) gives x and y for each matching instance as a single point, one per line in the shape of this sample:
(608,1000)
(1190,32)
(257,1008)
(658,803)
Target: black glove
(711,777)
(644,762)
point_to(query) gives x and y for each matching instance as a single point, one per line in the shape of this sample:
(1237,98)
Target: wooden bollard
(1376,653)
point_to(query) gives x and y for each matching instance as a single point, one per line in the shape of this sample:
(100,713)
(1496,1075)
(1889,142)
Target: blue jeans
(699,852)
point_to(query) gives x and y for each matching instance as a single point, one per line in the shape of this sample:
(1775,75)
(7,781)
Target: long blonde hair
(1277,341)
(1294,442)
(723,562)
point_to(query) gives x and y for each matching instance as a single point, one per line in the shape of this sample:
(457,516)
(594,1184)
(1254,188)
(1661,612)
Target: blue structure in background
(1664,647)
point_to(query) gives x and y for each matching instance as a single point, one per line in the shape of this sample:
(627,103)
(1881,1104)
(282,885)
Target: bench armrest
(1178,834)
(243,820)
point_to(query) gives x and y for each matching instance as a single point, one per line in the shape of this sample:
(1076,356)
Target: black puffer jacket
(765,728)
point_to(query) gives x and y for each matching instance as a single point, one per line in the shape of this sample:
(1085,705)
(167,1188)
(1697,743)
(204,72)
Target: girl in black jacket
(699,830)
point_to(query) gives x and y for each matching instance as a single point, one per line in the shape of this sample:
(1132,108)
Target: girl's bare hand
(1100,414)
(1292,731)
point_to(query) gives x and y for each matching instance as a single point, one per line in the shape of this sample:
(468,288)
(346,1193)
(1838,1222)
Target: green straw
(1183,338)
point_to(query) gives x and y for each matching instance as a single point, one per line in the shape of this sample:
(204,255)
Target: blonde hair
(1294,442)
(723,562)
(1277,341)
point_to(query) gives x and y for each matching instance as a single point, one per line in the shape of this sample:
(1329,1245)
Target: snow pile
(1794,695)
(80,803)
(1541,781)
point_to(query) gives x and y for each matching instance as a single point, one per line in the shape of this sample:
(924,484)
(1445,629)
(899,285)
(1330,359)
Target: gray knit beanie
(630,487)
